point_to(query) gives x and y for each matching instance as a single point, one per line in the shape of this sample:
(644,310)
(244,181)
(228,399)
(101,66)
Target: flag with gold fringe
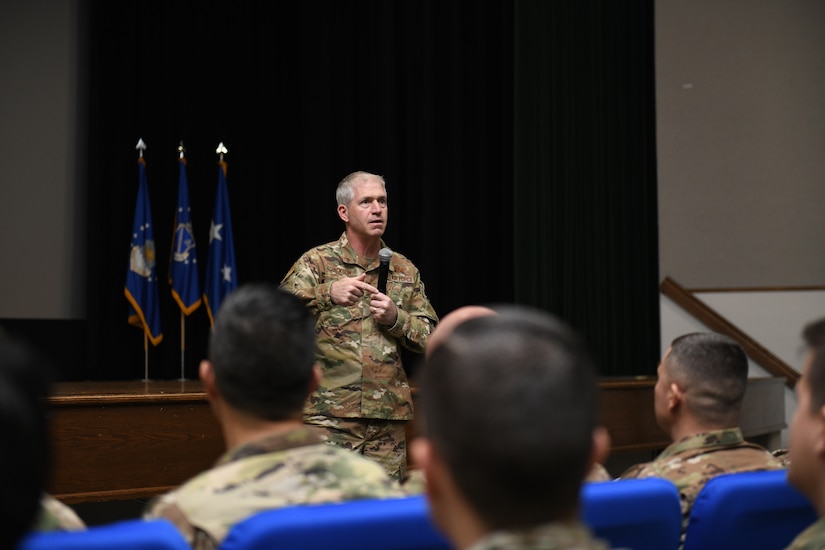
(183,264)
(221,275)
(141,287)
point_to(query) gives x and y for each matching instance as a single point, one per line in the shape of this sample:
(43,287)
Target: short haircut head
(346,188)
(814,336)
(262,349)
(448,323)
(712,370)
(510,401)
(25,377)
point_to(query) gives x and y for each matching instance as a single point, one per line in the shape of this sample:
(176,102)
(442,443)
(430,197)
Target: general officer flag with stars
(141,278)
(183,265)
(221,276)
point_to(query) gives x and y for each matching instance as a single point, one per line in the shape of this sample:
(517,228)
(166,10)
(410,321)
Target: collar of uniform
(350,256)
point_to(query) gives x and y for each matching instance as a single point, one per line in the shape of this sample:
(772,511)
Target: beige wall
(740,88)
(42,209)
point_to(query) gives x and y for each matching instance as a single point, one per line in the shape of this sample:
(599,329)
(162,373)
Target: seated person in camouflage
(807,436)
(260,370)
(56,516)
(414,483)
(510,422)
(25,380)
(783,455)
(697,401)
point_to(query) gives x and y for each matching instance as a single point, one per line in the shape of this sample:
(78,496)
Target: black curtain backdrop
(439,97)
(586,222)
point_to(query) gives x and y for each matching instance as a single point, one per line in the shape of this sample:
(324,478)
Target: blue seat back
(642,514)
(751,510)
(372,524)
(133,534)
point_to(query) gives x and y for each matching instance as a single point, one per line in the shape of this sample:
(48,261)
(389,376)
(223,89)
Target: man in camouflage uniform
(363,401)
(806,471)
(697,401)
(260,370)
(510,410)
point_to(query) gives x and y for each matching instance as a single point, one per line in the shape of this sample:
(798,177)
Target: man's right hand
(349,290)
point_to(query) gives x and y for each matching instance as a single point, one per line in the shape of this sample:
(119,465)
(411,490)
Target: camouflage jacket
(291,468)
(552,536)
(691,462)
(360,359)
(812,538)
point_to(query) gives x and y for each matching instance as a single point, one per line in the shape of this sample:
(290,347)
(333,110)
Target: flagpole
(182,344)
(145,357)
(181,150)
(140,147)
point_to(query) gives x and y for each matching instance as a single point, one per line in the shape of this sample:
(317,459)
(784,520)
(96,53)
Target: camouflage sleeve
(416,316)
(637,471)
(305,280)
(165,506)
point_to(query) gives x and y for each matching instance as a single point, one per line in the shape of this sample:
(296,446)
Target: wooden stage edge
(129,440)
(134,440)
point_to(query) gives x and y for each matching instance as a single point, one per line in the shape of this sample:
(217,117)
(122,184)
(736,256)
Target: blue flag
(183,264)
(141,279)
(221,277)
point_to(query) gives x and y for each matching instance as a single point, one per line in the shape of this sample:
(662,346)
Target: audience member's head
(261,354)
(415,482)
(510,404)
(259,374)
(806,470)
(454,318)
(701,383)
(25,378)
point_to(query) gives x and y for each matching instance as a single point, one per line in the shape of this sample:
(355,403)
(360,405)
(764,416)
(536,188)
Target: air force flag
(141,279)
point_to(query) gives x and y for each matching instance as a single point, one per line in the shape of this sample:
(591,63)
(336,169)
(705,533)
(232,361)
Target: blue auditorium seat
(641,514)
(132,534)
(373,524)
(753,510)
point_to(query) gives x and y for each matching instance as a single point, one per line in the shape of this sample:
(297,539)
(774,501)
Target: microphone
(384,255)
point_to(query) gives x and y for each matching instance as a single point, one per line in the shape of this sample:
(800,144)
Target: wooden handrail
(717,323)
